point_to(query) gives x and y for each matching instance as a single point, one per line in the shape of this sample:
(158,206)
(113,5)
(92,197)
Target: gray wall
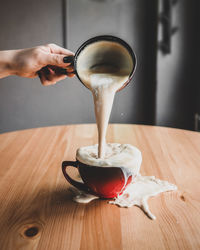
(177,78)
(24,103)
(197,108)
(130,20)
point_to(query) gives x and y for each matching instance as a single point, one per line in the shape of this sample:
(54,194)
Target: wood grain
(37,211)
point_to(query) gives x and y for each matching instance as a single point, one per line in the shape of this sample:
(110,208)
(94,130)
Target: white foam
(98,80)
(125,156)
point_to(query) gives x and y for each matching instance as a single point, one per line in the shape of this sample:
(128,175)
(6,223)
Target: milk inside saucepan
(104,67)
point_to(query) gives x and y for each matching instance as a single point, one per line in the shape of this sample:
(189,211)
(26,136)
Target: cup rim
(111,39)
(92,166)
(79,163)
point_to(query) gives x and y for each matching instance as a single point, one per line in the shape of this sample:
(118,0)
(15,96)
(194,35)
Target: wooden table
(37,211)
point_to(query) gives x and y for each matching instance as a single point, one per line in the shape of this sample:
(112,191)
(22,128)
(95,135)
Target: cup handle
(79,185)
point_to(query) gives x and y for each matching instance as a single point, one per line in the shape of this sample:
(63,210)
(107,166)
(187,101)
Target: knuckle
(37,53)
(57,59)
(51,45)
(37,49)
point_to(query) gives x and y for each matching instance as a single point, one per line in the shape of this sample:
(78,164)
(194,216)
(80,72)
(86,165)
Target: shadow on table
(25,217)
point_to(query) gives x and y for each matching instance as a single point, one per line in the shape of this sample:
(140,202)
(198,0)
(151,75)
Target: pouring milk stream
(104,67)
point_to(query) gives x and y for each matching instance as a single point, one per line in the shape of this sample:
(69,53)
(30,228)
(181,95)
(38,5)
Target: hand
(50,62)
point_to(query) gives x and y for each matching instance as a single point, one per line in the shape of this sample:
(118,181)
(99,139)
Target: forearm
(6,63)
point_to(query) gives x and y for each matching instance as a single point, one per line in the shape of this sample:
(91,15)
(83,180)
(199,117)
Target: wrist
(7,63)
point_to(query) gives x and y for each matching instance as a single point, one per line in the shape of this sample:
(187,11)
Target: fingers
(49,79)
(70,71)
(43,78)
(57,60)
(50,75)
(55,49)
(56,55)
(70,75)
(57,64)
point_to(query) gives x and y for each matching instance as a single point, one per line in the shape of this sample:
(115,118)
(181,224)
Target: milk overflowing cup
(108,177)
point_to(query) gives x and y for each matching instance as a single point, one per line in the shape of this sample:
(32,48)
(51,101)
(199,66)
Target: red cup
(105,182)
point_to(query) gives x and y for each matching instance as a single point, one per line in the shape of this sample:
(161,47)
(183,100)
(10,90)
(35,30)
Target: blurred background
(164,34)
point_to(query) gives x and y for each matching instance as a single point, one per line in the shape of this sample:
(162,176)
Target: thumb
(57,60)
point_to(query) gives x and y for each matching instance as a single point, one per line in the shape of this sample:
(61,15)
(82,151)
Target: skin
(45,61)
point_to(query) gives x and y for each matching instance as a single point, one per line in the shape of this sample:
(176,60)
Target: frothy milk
(104,75)
(125,156)
(117,155)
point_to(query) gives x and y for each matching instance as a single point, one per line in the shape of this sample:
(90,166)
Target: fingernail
(68,59)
